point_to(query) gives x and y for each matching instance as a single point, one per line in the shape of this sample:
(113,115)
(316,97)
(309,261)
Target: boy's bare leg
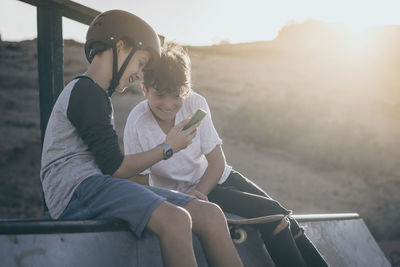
(208,221)
(173,226)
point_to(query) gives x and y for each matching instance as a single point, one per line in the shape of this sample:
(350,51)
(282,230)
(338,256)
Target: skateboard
(238,233)
(247,239)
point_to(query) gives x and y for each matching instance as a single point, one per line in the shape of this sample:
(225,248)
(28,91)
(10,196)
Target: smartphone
(198,116)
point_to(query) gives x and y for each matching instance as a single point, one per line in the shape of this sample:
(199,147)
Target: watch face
(168,153)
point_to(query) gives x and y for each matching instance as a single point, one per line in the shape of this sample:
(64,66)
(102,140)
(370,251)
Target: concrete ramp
(91,243)
(343,239)
(94,243)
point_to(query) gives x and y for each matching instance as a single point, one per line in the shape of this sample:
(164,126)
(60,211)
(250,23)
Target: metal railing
(325,217)
(50,48)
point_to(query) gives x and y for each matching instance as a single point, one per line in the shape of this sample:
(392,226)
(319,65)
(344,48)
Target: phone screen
(198,116)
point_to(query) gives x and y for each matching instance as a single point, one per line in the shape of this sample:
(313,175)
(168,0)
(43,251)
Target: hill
(310,116)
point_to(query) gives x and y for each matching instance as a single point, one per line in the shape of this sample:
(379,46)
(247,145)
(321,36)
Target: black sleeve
(89,110)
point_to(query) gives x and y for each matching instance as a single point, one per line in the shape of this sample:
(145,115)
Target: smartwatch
(167,151)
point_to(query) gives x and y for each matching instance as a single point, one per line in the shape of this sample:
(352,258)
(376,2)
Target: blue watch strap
(167,151)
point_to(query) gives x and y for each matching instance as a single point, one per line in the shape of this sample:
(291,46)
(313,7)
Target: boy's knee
(211,211)
(178,218)
(205,213)
(170,219)
(207,217)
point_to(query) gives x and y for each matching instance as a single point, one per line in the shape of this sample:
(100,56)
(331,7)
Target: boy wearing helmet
(81,157)
(201,170)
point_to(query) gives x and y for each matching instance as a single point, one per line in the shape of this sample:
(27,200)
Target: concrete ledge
(93,243)
(89,249)
(343,239)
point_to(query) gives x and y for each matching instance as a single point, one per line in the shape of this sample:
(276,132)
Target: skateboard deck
(256,220)
(239,233)
(247,239)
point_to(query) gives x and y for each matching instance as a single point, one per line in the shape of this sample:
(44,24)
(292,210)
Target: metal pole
(50,60)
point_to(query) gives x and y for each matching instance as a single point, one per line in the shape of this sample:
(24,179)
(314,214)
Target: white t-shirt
(184,169)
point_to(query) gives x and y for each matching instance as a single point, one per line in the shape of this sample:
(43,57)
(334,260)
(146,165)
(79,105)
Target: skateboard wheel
(239,235)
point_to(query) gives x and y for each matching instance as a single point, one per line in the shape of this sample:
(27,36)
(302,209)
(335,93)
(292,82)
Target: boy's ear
(120,45)
(144,90)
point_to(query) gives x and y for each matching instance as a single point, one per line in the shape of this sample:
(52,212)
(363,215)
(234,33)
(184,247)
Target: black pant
(239,195)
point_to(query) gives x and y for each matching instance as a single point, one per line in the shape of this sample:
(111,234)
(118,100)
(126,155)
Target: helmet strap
(116,75)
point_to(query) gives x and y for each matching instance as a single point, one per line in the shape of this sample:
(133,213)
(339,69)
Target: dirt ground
(301,166)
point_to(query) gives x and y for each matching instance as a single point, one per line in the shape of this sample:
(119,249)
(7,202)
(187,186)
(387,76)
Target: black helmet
(109,27)
(113,25)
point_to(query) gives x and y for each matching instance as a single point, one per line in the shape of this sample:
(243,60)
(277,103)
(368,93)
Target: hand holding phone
(177,139)
(198,116)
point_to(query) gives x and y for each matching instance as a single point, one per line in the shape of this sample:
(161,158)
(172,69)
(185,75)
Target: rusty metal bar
(69,9)
(50,60)
(50,48)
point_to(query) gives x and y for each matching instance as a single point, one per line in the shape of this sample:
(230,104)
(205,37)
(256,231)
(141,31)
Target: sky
(205,22)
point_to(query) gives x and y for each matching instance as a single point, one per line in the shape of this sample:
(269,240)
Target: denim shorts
(106,197)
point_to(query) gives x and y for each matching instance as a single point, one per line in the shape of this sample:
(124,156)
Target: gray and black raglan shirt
(80,141)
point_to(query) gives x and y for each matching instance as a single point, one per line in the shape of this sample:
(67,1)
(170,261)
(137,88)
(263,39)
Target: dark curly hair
(173,72)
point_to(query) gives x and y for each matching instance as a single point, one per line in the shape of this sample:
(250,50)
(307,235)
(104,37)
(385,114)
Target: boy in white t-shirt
(200,169)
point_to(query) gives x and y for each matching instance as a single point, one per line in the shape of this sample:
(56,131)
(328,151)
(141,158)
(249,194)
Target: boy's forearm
(140,179)
(134,164)
(209,180)
(214,171)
